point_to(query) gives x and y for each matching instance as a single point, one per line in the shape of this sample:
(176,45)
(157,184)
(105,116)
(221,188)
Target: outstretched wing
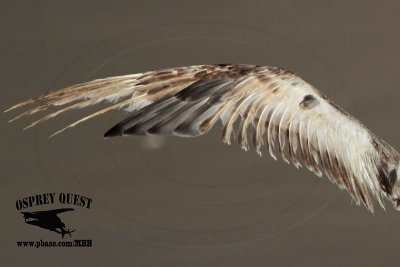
(56,211)
(278,111)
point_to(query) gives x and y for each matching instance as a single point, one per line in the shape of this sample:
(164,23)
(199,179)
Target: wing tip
(113,132)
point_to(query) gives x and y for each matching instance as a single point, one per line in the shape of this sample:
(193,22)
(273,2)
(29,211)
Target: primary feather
(277,109)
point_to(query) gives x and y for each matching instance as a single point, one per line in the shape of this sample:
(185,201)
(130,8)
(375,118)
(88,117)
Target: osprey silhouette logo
(52,219)
(48,219)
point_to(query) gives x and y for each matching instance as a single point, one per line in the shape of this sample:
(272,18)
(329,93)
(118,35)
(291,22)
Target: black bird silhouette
(49,220)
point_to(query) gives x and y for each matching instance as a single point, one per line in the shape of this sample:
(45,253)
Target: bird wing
(56,211)
(277,110)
